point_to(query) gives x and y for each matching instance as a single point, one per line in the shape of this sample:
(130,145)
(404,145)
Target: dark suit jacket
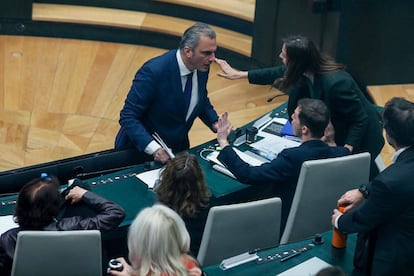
(195,227)
(389,212)
(283,171)
(155,103)
(355,119)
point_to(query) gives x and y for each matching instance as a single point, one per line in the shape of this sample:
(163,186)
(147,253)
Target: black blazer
(109,215)
(355,119)
(389,212)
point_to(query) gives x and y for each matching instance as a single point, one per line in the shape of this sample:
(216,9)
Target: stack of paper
(150,177)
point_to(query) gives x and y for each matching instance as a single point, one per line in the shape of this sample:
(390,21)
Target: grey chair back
(60,253)
(237,228)
(321,183)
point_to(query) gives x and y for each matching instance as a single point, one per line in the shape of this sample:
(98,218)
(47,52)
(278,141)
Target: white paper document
(6,223)
(218,166)
(274,144)
(307,268)
(150,177)
(245,157)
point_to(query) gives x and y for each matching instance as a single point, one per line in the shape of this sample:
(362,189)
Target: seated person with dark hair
(38,205)
(309,121)
(183,188)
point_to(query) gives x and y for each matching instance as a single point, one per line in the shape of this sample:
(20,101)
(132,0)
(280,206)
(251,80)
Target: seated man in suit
(383,208)
(309,121)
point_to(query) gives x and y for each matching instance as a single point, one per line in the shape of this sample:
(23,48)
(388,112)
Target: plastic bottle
(338,238)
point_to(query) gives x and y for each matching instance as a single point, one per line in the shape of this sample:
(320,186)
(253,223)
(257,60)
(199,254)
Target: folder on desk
(150,177)
(218,166)
(287,129)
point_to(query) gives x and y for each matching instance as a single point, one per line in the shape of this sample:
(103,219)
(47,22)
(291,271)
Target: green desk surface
(337,257)
(124,188)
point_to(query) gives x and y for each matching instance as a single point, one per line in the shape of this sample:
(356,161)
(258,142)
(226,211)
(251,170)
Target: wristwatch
(363,190)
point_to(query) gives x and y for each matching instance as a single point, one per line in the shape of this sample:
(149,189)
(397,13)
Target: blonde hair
(158,241)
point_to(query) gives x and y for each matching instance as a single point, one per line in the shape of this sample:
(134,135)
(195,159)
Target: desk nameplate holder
(238,260)
(8,202)
(285,255)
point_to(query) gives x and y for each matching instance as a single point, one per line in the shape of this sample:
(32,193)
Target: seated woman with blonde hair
(158,244)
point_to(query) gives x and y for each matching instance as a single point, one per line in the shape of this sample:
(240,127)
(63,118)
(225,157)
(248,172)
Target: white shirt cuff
(336,221)
(151,147)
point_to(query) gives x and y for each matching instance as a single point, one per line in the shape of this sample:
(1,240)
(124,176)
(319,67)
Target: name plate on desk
(238,260)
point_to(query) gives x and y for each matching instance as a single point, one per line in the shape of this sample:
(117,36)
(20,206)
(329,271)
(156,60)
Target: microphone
(275,96)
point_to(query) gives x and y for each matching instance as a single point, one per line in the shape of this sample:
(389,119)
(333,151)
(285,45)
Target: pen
(260,249)
(163,145)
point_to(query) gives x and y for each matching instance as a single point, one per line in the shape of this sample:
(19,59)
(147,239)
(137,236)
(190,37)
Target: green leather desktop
(124,188)
(336,257)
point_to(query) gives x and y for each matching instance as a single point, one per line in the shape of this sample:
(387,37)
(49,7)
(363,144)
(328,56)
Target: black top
(109,215)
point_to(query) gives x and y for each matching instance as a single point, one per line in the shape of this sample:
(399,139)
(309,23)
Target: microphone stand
(275,96)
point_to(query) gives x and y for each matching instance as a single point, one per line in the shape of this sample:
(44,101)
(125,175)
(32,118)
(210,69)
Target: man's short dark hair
(192,35)
(38,203)
(315,115)
(398,118)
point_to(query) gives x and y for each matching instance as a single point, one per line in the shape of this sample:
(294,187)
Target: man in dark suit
(308,122)
(384,208)
(157,101)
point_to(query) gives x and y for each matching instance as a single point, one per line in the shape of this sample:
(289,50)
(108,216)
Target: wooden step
(234,41)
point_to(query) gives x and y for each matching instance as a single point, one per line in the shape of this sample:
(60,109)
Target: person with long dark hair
(183,188)
(38,207)
(308,73)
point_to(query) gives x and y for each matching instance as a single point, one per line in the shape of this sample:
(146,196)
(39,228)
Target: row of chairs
(230,229)
(238,228)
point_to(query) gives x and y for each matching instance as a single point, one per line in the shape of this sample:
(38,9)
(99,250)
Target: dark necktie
(187,91)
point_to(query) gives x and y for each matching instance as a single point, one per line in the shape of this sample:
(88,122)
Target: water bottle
(338,238)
